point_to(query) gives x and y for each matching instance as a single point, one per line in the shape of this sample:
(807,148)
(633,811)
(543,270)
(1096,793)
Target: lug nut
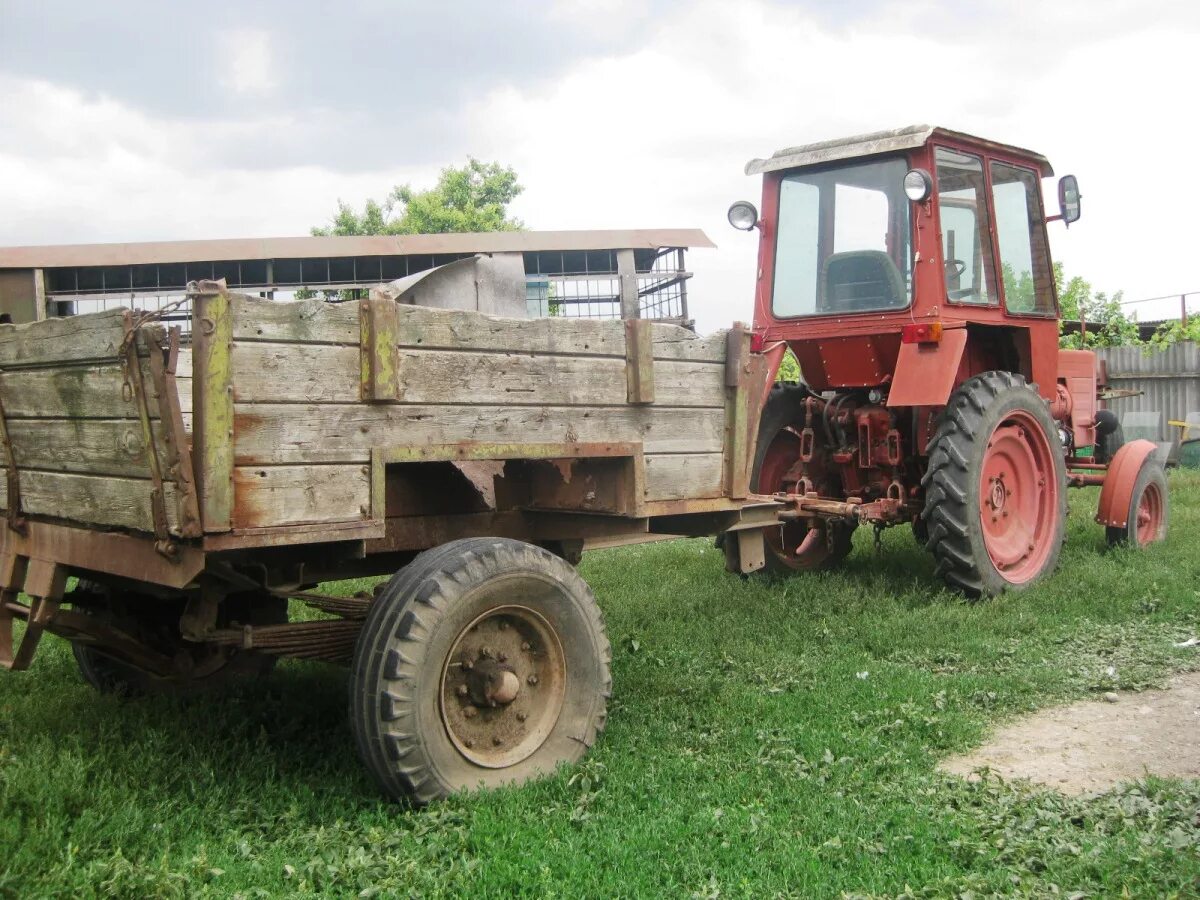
(468,665)
(525,645)
(496,742)
(521,717)
(469,712)
(463,690)
(503,625)
(468,743)
(501,657)
(532,679)
(485,652)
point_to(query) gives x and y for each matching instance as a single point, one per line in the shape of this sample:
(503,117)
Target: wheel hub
(503,686)
(1019,497)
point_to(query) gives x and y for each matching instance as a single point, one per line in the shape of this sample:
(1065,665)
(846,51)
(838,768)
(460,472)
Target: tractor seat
(861,280)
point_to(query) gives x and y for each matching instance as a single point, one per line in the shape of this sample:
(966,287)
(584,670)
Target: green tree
(1176,332)
(1107,324)
(474,197)
(789,368)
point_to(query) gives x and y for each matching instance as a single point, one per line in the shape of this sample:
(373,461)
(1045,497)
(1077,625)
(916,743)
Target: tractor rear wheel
(995,487)
(483,662)
(795,546)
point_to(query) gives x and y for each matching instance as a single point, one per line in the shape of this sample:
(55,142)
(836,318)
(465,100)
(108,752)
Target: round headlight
(742,215)
(918,185)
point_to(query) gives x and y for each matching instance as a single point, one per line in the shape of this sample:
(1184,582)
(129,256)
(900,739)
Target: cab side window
(1024,256)
(966,234)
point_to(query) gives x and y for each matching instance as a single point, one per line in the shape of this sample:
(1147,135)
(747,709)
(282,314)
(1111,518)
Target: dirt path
(1093,745)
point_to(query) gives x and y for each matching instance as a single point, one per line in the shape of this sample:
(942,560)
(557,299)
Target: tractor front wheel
(995,488)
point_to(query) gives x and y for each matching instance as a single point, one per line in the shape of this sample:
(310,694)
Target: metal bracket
(13,514)
(178,452)
(44,582)
(133,378)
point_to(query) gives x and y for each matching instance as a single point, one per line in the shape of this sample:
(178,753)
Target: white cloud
(247,64)
(659,136)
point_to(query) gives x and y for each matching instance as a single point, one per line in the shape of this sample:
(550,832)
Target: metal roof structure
(908,138)
(161,252)
(571,272)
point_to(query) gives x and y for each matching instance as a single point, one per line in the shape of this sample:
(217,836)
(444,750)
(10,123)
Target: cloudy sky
(147,119)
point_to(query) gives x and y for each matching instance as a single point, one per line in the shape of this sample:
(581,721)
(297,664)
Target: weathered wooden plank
(83,446)
(639,362)
(295,373)
(75,392)
(289,433)
(92,500)
(212,374)
(90,337)
(379,363)
(679,476)
(294,495)
(318,322)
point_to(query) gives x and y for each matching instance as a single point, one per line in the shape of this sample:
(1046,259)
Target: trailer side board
(303,434)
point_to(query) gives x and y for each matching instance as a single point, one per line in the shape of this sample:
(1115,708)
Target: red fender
(1117,492)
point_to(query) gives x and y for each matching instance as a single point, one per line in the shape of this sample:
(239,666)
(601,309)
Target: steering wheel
(955,268)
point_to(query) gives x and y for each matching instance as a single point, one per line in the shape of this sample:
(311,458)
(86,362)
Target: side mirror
(1068,198)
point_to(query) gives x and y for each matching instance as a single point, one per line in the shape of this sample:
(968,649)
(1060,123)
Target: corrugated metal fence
(1169,380)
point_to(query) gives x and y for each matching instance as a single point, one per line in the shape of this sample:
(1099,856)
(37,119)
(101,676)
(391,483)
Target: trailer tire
(109,675)
(995,487)
(483,662)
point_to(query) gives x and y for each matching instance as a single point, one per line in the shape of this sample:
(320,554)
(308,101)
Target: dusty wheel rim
(1149,513)
(1019,496)
(794,543)
(503,685)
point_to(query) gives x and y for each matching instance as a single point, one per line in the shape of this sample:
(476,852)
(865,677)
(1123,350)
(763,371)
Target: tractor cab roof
(882,142)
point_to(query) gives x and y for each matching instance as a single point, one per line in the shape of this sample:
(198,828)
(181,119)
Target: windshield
(843,241)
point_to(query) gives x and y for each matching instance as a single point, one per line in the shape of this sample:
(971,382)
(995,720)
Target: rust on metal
(44,581)
(512,665)
(108,552)
(137,386)
(178,445)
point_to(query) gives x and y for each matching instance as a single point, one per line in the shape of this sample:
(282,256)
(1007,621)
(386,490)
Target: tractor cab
(879,239)
(909,272)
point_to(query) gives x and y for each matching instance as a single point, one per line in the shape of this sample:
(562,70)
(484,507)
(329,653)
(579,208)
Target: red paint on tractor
(1117,493)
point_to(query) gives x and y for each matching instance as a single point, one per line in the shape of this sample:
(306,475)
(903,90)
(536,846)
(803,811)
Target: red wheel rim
(1019,498)
(1149,515)
(794,543)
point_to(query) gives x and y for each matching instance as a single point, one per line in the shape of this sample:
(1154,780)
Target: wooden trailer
(193,485)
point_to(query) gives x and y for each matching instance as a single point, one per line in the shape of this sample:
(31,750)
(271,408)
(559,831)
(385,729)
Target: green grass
(764,739)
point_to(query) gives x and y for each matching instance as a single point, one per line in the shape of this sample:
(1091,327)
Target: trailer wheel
(995,487)
(1148,510)
(795,546)
(156,623)
(483,662)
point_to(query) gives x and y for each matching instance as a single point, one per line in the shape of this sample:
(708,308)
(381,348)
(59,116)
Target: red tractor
(909,272)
